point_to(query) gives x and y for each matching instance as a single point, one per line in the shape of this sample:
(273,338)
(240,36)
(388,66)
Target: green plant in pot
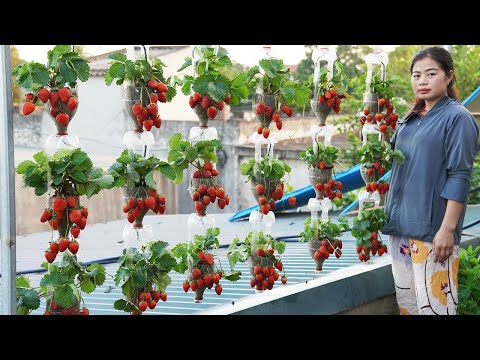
(266,176)
(274,93)
(144,276)
(366,230)
(144,87)
(54,84)
(320,161)
(323,238)
(204,185)
(262,254)
(134,174)
(329,93)
(209,87)
(376,159)
(199,259)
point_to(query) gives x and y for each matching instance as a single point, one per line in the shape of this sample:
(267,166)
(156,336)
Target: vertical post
(7,186)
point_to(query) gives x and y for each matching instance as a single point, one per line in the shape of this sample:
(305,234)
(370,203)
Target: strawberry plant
(261,251)
(146,85)
(274,93)
(204,185)
(204,269)
(376,159)
(267,179)
(28,298)
(209,88)
(320,166)
(54,84)
(328,93)
(143,275)
(376,101)
(323,237)
(366,231)
(135,173)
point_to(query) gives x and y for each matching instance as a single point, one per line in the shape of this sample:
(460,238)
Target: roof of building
(99,64)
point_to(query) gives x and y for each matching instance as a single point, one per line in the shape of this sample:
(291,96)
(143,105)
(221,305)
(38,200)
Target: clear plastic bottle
(376,58)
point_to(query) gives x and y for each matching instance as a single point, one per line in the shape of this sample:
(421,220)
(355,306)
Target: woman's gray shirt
(439,152)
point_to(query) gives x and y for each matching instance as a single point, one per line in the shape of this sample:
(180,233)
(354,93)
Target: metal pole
(7,187)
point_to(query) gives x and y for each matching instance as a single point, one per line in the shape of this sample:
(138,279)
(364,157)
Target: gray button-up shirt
(439,152)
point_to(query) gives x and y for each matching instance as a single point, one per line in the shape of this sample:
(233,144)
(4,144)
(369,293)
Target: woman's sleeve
(460,148)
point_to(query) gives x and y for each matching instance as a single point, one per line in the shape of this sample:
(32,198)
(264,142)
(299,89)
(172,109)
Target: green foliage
(143,271)
(65,280)
(467,71)
(469,281)
(374,151)
(64,67)
(133,170)
(474,197)
(182,154)
(337,82)
(138,72)
(327,154)
(274,78)
(255,240)
(211,70)
(323,229)
(268,167)
(187,252)
(369,221)
(28,299)
(71,173)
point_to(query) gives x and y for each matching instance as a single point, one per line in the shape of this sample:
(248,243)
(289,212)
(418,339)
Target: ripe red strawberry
(212,112)
(82,223)
(63,119)
(73,247)
(47,313)
(64,94)
(161,87)
(54,111)
(218,289)
(85,212)
(63,244)
(279,125)
(154,98)
(29,97)
(152,304)
(163,296)
(83,311)
(152,84)
(206,200)
(47,215)
(157,122)
(196,273)
(162,97)
(148,124)
(74,216)
(206,102)
(220,105)
(266,132)
(54,247)
(44,94)
(279,265)
(142,306)
(186,286)
(75,231)
(260,188)
(59,203)
(72,103)
(153,109)
(261,252)
(383,128)
(54,98)
(221,203)
(192,102)
(137,109)
(150,202)
(199,207)
(227,99)
(260,129)
(54,223)
(50,256)
(28,108)
(292,200)
(216,278)
(71,201)
(209,259)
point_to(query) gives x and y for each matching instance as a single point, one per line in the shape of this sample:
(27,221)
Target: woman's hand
(442,245)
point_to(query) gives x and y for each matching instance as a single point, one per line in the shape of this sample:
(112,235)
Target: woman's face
(429,81)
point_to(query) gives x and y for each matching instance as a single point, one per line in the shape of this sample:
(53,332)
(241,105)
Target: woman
(426,201)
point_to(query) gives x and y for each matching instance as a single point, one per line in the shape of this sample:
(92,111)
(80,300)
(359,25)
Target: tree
(14,61)
(467,71)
